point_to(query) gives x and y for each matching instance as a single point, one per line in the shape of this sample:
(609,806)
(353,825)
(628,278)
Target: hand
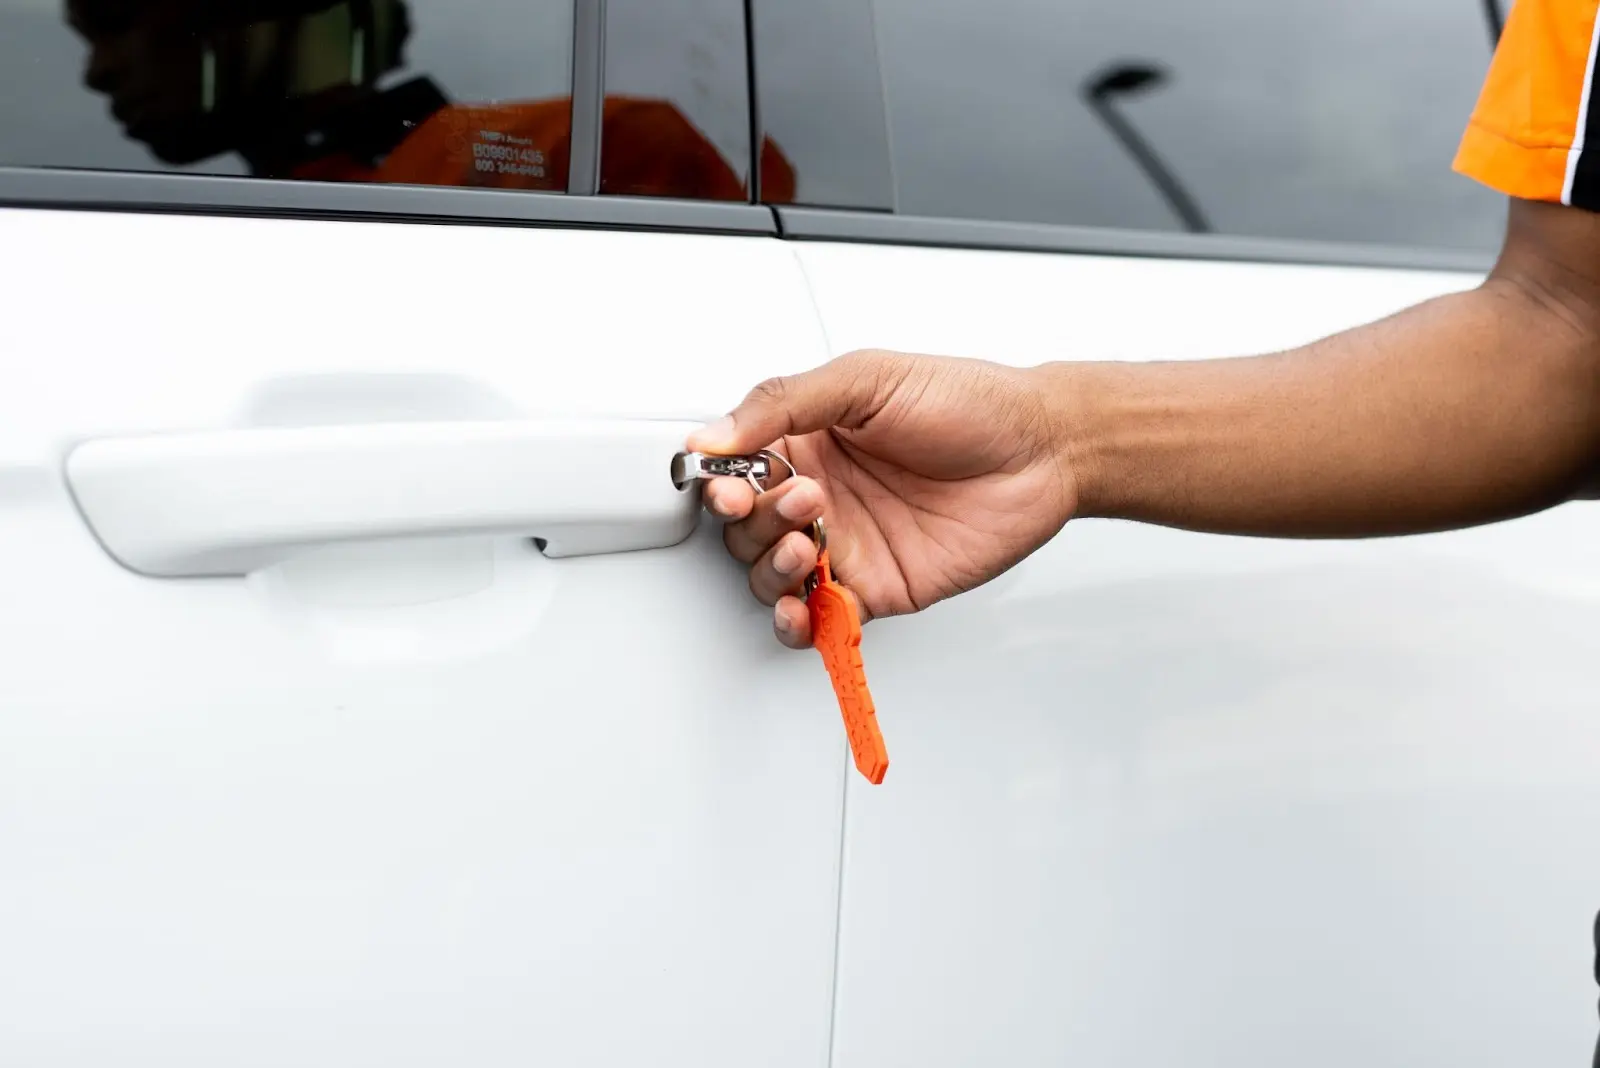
(934,474)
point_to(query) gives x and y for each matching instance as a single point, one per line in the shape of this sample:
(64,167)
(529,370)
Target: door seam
(838,910)
(846,763)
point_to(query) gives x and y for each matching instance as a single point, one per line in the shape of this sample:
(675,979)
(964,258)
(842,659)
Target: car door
(368,694)
(1163,798)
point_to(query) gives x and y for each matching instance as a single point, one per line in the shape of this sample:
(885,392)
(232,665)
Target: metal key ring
(770,456)
(819,533)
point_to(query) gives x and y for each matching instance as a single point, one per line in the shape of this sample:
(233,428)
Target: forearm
(1474,407)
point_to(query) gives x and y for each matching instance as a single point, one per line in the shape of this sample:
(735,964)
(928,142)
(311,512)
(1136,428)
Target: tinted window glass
(438,92)
(1331,121)
(677,108)
(821,102)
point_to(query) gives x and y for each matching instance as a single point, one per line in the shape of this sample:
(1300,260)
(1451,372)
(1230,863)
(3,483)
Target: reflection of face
(169,85)
(194,78)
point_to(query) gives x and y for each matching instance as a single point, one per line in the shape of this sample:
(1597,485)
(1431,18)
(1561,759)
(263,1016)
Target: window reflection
(677,112)
(321,89)
(472,93)
(1332,122)
(821,98)
(650,148)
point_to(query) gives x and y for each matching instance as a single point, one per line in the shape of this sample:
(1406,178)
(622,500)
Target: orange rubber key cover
(836,633)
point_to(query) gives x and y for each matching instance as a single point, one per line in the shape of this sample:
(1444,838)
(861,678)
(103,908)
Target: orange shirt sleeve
(1529,133)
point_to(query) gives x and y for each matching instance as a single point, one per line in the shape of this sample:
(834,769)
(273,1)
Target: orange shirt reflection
(648,148)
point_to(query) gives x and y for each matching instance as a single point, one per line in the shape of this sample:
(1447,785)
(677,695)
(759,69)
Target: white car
(370,696)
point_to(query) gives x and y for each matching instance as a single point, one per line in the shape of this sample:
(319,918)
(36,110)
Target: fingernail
(786,559)
(781,620)
(719,505)
(798,502)
(714,434)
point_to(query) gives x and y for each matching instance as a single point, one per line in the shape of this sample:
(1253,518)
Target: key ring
(818,533)
(769,456)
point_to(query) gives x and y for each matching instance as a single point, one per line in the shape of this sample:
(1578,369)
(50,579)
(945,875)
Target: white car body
(1152,793)
(309,755)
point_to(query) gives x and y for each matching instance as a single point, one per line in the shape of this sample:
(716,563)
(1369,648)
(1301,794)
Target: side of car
(391,783)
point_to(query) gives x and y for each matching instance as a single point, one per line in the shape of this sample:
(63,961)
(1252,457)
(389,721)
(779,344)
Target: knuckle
(773,391)
(864,369)
(867,357)
(876,374)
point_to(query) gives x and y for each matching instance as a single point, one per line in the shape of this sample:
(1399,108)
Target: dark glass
(432,92)
(677,105)
(1326,121)
(821,102)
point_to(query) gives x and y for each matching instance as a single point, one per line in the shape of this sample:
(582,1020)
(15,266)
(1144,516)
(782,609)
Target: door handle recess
(229,502)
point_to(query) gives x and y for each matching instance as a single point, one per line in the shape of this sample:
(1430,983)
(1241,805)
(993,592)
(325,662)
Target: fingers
(792,506)
(768,532)
(791,622)
(844,392)
(783,569)
(729,498)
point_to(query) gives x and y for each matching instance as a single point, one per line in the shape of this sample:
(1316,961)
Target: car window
(1329,121)
(677,106)
(821,102)
(432,92)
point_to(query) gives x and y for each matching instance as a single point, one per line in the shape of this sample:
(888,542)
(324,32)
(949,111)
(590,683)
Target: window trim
(752,96)
(49,187)
(872,227)
(588,96)
(80,190)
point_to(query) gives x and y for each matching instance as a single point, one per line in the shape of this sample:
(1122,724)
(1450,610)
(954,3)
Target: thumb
(844,392)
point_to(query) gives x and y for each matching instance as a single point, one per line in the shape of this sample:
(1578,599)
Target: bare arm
(936,474)
(1470,408)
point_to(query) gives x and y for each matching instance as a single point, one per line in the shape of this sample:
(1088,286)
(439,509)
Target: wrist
(1078,400)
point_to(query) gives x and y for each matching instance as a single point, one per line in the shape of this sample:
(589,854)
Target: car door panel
(398,800)
(1158,797)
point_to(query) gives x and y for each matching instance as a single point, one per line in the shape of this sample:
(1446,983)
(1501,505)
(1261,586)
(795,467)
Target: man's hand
(936,475)
(941,473)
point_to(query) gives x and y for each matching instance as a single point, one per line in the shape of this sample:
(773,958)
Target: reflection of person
(937,474)
(291,85)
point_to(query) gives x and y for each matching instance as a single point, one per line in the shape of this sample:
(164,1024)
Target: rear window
(1326,121)
(430,92)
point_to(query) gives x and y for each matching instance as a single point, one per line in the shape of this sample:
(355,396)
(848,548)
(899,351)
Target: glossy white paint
(237,501)
(1158,798)
(424,801)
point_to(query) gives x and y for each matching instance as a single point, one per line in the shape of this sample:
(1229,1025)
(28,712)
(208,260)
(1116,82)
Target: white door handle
(229,502)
